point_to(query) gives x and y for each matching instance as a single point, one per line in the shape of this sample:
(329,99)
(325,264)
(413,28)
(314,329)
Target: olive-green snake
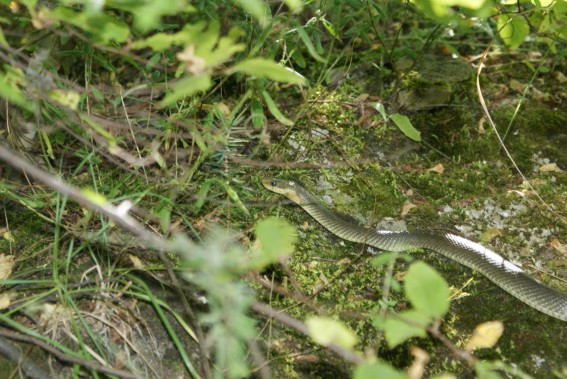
(503,273)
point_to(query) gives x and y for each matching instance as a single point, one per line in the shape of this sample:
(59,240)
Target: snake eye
(274,183)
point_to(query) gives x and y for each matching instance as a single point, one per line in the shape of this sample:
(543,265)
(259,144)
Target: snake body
(503,273)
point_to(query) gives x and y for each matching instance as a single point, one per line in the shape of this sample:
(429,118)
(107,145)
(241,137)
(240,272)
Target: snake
(490,264)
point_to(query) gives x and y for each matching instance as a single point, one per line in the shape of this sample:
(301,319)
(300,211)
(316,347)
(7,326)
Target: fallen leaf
(136,262)
(8,236)
(561,78)
(6,300)
(517,86)
(550,167)
(438,168)
(408,205)
(344,261)
(485,335)
(310,358)
(538,182)
(326,331)
(558,246)
(481,129)
(417,368)
(539,95)
(194,64)
(489,234)
(6,265)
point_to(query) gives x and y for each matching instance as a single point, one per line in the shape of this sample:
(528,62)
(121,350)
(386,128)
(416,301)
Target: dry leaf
(438,168)
(310,358)
(361,98)
(7,235)
(6,266)
(136,262)
(560,77)
(517,86)
(538,182)
(489,234)
(194,64)
(481,129)
(417,368)
(408,205)
(550,167)
(344,261)
(558,246)
(6,299)
(485,335)
(539,95)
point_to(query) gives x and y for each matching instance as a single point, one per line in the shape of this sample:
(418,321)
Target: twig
(13,353)
(64,357)
(464,355)
(500,141)
(293,323)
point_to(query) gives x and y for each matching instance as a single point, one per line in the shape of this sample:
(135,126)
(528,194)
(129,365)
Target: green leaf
(331,29)
(162,41)
(261,67)
(384,258)
(103,28)
(404,124)
(187,87)
(201,197)
(427,291)
(67,98)
(257,114)
(234,197)
(257,8)
(403,326)
(274,239)
(164,214)
(98,128)
(513,30)
(325,331)
(274,110)
(211,47)
(47,143)
(377,370)
(443,10)
(298,57)
(147,14)
(484,370)
(3,38)
(95,197)
(307,41)
(382,110)
(294,5)
(9,88)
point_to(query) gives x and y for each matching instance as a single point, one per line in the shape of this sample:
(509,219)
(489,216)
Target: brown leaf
(136,262)
(6,266)
(417,368)
(6,299)
(408,205)
(558,246)
(550,167)
(438,168)
(485,335)
(8,236)
(489,234)
(517,86)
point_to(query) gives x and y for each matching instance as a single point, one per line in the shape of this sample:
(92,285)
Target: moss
(475,171)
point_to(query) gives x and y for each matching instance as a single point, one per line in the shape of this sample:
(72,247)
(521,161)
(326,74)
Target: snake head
(288,188)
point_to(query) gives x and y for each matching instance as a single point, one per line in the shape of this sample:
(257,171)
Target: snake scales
(503,273)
